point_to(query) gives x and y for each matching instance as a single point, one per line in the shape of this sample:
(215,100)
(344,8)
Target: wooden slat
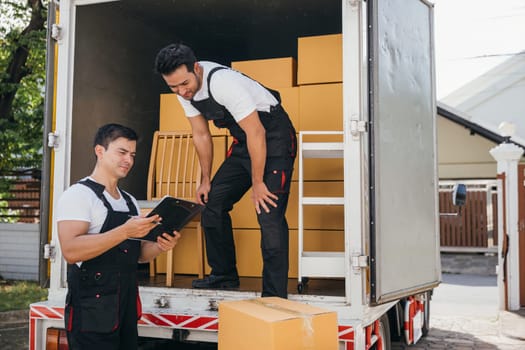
(469,228)
(174,171)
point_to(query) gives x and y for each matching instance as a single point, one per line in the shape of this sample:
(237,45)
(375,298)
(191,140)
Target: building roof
(462,119)
(492,98)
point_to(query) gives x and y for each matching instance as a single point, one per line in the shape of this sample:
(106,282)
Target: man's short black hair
(172,57)
(110,132)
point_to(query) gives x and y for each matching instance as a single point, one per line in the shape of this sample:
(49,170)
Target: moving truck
(364,240)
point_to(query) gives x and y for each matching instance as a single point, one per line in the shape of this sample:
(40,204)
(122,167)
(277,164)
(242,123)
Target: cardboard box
(321,107)
(275,324)
(184,255)
(324,241)
(273,73)
(320,59)
(173,118)
(248,252)
(330,217)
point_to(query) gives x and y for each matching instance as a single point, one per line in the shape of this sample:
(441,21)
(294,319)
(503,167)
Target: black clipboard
(175,214)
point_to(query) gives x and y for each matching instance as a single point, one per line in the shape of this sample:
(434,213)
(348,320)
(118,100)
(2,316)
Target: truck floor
(314,286)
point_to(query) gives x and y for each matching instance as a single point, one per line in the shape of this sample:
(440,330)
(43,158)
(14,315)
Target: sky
(472,36)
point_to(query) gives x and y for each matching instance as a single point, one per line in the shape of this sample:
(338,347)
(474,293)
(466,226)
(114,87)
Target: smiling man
(261,157)
(98,224)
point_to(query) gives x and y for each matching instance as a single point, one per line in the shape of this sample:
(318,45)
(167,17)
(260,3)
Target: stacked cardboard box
(311,93)
(320,59)
(319,76)
(278,74)
(274,73)
(172,116)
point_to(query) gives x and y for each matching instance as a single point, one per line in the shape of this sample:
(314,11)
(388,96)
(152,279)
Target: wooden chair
(174,170)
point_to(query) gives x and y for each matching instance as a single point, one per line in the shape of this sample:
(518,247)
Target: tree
(22,82)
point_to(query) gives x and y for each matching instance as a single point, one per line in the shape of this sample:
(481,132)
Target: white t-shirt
(80,202)
(238,93)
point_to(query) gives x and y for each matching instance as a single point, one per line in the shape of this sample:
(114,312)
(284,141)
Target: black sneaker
(216,282)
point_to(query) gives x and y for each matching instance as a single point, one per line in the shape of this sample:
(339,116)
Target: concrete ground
(14,330)
(464,315)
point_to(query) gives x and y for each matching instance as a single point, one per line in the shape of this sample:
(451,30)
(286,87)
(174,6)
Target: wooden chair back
(174,170)
(174,166)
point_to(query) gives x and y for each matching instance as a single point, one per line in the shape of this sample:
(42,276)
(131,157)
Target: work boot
(216,282)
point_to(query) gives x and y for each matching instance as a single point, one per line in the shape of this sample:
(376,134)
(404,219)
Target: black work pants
(107,325)
(230,183)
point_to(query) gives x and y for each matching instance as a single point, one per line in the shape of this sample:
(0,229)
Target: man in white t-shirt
(98,226)
(261,157)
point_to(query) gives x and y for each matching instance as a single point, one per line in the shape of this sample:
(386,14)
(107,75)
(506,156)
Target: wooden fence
(472,227)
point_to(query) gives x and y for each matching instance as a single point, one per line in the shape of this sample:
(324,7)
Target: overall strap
(209,79)
(131,206)
(99,191)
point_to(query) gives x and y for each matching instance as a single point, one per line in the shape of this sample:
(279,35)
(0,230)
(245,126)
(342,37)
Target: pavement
(464,315)
(505,332)
(14,330)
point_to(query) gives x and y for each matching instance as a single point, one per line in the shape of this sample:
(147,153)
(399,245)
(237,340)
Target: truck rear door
(404,235)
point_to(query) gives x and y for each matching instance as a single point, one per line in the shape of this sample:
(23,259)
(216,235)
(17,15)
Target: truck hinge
(357,127)
(359,262)
(49,252)
(53,139)
(56,32)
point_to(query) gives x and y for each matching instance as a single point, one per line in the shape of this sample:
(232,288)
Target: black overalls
(102,304)
(232,181)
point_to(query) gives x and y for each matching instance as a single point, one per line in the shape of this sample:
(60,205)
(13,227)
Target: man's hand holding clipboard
(175,214)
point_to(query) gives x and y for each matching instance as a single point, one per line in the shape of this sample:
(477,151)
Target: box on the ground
(275,324)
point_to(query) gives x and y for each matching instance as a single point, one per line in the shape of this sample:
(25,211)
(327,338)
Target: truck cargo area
(116,43)
(115,47)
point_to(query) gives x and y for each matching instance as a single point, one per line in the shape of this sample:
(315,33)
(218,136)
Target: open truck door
(402,148)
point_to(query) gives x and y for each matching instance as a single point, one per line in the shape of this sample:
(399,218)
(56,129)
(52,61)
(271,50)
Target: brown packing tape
(308,341)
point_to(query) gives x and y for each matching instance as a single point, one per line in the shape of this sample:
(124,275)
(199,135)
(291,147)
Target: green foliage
(22,126)
(5,211)
(17,295)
